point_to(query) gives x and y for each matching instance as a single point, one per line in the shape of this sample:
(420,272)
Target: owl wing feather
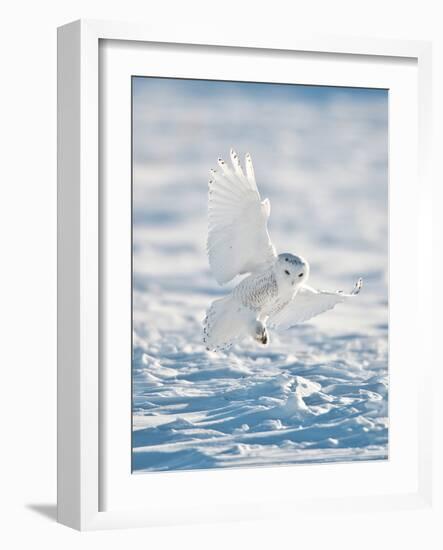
(238,239)
(309,302)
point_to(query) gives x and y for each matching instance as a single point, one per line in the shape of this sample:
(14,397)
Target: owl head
(291,268)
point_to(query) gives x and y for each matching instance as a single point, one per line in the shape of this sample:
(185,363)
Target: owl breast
(258,292)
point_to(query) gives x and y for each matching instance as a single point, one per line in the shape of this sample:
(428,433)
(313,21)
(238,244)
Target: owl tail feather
(226,322)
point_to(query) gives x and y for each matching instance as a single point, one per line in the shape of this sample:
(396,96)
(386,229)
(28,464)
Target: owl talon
(261,334)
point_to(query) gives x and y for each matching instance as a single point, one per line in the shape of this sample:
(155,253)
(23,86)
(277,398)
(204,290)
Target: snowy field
(318,392)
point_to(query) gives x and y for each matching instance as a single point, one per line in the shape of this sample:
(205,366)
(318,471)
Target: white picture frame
(81,413)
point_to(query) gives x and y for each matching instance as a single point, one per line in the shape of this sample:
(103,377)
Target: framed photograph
(239,226)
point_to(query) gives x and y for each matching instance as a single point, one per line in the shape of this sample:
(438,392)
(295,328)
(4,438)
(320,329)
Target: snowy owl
(274,293)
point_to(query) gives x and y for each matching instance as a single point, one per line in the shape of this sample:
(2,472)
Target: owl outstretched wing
(309,302)
(238,239)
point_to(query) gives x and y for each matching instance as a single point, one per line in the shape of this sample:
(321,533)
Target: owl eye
(287,272)
(301,275)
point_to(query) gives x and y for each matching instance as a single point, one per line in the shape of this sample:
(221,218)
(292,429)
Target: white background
(28,268)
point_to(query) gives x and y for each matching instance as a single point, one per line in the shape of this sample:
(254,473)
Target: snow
(318,392)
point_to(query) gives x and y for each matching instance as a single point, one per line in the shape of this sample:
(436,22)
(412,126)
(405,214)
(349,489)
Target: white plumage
(274,293)
(238,238)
